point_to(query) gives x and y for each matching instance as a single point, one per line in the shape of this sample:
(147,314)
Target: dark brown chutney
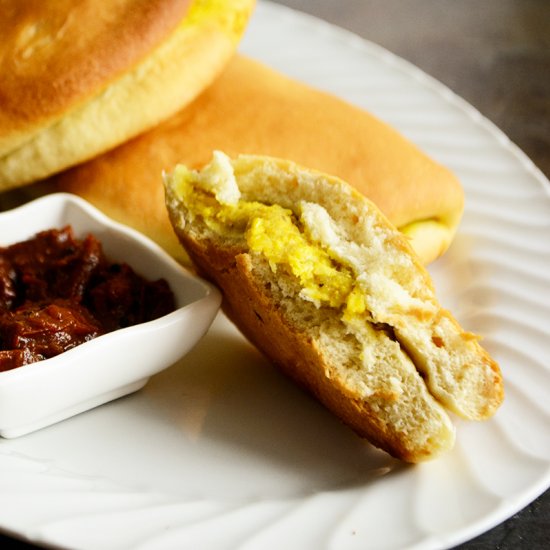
(57,292)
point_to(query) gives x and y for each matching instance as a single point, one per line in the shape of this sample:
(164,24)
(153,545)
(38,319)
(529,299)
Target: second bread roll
(254,109)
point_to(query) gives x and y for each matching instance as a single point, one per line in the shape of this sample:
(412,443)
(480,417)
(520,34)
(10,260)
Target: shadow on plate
(228,400)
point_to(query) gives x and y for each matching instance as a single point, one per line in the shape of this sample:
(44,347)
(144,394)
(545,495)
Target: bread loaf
(79,78)
(253,109)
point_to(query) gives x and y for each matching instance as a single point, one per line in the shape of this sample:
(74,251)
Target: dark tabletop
(496,55)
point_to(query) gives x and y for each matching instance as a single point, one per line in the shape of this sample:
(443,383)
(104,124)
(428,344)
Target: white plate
(220,451)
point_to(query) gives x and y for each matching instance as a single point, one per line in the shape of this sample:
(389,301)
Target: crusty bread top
(55,55)
(385,356)
(253,109)
(118,69)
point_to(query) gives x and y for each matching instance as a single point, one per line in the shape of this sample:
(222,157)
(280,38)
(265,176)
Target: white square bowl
(115,364)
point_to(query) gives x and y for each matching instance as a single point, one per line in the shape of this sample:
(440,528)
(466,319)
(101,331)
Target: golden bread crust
(56,55)
(252,109)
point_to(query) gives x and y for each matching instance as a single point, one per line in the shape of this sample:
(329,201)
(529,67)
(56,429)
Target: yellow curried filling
(274,232)
(230,15)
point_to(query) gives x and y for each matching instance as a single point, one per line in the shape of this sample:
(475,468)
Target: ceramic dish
(117,363)
(222,452)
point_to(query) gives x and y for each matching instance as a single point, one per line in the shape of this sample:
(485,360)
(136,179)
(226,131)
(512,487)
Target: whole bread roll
(317,277)
(79,78)
(253,109)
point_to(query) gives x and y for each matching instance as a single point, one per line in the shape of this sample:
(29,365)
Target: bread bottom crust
(248,301)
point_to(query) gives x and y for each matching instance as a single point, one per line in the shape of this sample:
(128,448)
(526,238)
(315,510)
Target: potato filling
(274,232)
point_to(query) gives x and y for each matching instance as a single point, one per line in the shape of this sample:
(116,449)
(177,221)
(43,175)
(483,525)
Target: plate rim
(509,506)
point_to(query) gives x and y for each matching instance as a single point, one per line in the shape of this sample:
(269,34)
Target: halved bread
(316,276)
